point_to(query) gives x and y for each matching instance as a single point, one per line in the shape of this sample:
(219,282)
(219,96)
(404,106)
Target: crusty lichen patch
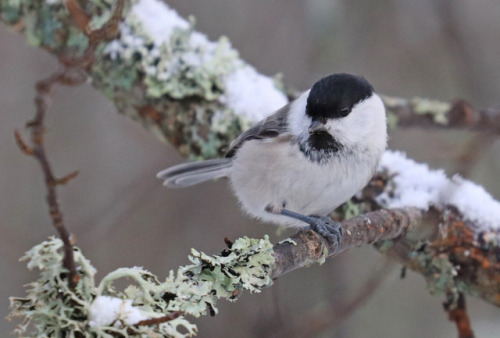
(53,310)
(436,109)
(153,63)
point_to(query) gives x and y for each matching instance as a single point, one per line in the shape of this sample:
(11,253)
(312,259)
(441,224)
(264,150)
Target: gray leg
(323,225)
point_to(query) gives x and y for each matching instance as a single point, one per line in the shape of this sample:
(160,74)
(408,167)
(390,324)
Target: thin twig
(458,314)
(159,320)
(37,148)
(72,73)
(459,114)
(107,32)
(21,143)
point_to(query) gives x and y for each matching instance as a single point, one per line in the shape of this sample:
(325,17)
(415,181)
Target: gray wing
(188,174)
(270,127)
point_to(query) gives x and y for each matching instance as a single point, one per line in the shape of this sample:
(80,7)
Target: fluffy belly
(282,176)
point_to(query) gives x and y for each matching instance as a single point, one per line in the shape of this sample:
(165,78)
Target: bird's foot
(323,225)
(328,228)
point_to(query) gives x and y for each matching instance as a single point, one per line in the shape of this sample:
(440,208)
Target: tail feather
(188,174)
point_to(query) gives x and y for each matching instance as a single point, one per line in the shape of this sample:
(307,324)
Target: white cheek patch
(365,122)
(299,122)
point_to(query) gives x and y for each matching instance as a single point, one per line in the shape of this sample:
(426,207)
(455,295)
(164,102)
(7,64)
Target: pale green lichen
(11,11)
(323,257)
(181,75)
(181,65)
(441,274)
(243,266)
(51,309)
(392,120)
(436,109)
(350,209)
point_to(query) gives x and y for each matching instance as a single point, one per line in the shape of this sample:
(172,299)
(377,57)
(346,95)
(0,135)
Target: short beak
(317,127)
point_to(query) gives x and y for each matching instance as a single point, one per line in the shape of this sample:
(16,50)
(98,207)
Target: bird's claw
(327,228)
(323,225)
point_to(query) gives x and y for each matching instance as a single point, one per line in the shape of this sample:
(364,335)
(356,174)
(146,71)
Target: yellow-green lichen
(350,209)
(51,309)
(184,64)
(392,120)
(436,109)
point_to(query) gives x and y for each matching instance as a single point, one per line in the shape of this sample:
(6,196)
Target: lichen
(243,266)
(392,120)
(323,257)
(51,309)
(163,64)
(178,66)
(50,306)
(436,109)
(441,274)
(350,209)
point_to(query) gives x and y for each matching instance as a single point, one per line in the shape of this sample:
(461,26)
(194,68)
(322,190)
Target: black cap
(334,95)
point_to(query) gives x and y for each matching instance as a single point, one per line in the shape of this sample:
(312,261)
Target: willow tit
(306,159)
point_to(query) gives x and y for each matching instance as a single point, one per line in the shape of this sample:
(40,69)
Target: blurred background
(122,216)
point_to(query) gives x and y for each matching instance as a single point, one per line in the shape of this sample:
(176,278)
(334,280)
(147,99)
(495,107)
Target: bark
(453,255)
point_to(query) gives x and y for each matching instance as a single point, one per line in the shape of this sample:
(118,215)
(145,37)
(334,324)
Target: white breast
(274,172)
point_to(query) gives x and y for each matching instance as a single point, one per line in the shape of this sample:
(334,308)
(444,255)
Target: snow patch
(158,19)
(415,185)
(251,94)
(106,310)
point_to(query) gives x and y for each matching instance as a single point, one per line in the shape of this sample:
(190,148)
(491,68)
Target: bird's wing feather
(187,174)
(270,127)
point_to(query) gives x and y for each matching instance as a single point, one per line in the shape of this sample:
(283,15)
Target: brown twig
(159,320)
(21,143)
(107,32)
(458,314)
(459,114)
(73,73)
(37,149)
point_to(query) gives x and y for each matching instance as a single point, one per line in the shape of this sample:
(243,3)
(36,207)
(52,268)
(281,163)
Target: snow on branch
(164,74)
(415,185)
(198,95)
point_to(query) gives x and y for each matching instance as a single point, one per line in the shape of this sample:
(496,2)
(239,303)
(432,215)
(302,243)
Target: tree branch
(37,150)
(166,92)
(457,114)
(307,247)
(72,73)
(458,314)
(195,105)
(130,75)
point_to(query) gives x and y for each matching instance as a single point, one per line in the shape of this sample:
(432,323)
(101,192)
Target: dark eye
(323,120)
(344,111)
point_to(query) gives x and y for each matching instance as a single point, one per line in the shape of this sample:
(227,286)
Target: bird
(297,165)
